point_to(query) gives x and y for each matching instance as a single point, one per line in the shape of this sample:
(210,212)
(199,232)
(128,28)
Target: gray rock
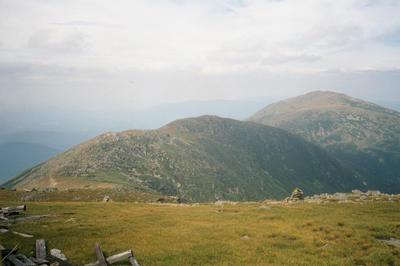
(107,199)
(58,254)
(363,197)
(391,242)
(373,193)
(340,196)
(50,189)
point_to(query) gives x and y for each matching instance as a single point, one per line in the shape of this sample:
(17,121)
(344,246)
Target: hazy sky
(99,56)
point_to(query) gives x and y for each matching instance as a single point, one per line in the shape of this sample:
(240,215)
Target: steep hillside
(17,156)
(362,135)
(197,159)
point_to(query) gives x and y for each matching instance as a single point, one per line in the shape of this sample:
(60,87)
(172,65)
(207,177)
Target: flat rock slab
(391,242)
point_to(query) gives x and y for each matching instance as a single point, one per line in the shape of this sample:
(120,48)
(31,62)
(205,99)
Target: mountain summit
(197,159)
(361,134)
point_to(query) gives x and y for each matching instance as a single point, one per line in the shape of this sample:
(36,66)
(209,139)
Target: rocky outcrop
(354,196)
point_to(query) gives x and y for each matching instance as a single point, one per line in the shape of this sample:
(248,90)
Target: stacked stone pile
(297,195)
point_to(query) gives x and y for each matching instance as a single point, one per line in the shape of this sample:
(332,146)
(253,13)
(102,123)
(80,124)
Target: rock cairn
(297,195)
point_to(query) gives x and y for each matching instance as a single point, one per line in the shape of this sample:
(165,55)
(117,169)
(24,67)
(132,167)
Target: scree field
(210,234)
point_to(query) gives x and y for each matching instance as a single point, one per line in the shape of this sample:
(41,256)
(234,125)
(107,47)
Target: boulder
(340,196)
(363,197)
(107,199)
(161,200)
(373,193)
(58,254)
(50,189)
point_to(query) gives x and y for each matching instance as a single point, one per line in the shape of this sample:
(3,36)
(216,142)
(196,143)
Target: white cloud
(59,41)
(142,52)
(163,34)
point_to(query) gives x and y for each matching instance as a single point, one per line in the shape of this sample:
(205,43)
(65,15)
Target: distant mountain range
(63,129)
(18,156)
(321,142)
(362,135)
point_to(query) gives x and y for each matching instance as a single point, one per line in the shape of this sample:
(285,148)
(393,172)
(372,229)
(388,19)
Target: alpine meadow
(229,132)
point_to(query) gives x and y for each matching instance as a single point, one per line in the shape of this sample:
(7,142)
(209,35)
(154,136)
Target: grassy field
(241,234)
(80,195)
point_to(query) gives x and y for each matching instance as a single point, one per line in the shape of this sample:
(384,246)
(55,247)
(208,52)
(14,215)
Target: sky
(61,60)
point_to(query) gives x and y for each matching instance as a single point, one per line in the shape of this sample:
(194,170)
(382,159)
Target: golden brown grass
(301,234)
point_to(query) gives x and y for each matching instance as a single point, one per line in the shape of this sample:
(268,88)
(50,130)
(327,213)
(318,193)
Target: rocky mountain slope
(197,159)
(362,135)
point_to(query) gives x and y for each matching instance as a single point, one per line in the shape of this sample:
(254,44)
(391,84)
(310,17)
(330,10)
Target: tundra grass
(241,234)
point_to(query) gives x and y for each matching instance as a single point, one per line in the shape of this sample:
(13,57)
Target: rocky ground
(354,196)
(121,195)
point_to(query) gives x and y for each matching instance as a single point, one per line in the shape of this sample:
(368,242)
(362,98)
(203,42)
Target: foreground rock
(107,199)
(391,242)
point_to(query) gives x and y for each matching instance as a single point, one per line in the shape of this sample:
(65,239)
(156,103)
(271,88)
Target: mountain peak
(358,132)
(321,101)
(196,124)
(323,93)
(328,96)
(199,119)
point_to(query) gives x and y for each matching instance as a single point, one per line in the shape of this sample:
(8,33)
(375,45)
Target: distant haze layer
(65,60)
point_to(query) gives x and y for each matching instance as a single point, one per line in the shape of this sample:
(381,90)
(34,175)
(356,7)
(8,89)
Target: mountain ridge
(199,159)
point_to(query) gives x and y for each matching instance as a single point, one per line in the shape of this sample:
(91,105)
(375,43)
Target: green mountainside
(198,159)
(362,135)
